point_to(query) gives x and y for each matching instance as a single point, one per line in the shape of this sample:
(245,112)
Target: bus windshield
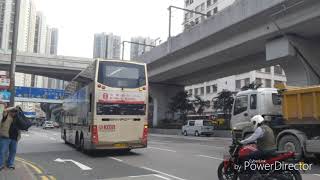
(121,75)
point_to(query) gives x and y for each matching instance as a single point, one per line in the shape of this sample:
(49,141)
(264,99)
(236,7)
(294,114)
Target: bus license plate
(120,145)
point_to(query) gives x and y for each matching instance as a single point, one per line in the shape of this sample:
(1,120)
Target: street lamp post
(133,43)
(183,9)
(14,51)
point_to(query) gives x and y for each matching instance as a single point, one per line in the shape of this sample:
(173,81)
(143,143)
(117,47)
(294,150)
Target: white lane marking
(159,176)
(169,150)
(27,135)
(54,139)
(155,142)
(211,157)
(159,172)
(145,175)
(116,159)
(150,175)
(55,134)
(316,175)
(81,166)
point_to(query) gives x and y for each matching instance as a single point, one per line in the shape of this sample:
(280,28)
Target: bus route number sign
(107,128)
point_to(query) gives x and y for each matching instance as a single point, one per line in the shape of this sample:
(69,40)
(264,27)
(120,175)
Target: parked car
(48,124)
(198,128)
(56,125)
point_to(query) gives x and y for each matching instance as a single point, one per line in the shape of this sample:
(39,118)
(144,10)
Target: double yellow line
(36,169)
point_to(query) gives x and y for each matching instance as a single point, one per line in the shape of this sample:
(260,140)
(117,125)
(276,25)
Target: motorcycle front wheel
(228,174)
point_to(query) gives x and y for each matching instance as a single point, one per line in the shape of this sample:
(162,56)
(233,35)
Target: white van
(198,128)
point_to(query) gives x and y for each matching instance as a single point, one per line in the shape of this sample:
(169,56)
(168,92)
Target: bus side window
(90,102)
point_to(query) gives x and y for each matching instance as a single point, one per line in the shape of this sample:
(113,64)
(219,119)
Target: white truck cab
(263,101)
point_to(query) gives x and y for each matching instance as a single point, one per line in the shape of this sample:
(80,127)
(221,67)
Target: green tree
(180,103)
(223,102)
(200,104)
(253,85)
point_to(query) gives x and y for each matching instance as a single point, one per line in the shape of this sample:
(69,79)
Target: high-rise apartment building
(40,34)
(208,7)
(136,49)
(106,46)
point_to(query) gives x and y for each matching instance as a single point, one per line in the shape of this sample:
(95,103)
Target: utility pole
(133,43)
(14,51)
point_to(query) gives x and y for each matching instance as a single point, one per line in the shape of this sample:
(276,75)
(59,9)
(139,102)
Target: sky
(78,20)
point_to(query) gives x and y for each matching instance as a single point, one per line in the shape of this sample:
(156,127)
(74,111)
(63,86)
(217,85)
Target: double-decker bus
(105,107)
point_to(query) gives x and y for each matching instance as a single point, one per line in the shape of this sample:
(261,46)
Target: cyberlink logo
(261,165)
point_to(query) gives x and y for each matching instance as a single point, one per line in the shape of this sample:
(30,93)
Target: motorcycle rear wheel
(229,175)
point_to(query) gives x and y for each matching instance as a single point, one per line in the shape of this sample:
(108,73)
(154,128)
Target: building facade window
(208,89)
(214,88)
(238,84)
(208,13)
(197,20)
(190,92)
(215,10)
(258,81)
(278,70)
(267,70)
(202,91)
(246,81)
(209,3)
(268,83)
(197,9)
(186,17)
(202,7)
(196,91)
(186,3)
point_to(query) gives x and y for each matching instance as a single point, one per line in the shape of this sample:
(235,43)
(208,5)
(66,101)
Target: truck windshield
(241,104)
(121,75)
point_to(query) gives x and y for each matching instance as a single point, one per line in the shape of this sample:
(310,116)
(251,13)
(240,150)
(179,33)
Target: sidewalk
(22,172)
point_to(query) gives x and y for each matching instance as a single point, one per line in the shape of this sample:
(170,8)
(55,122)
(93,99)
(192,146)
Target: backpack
(23,123)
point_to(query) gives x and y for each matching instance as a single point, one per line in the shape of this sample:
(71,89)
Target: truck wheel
(196,133)
(291,143)
(185,133)
(317,157)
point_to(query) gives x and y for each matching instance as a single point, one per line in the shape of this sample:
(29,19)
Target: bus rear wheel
(82,149)
(77,143)
(65,137)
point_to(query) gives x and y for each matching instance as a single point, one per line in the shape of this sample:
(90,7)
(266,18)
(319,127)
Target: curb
(35,171)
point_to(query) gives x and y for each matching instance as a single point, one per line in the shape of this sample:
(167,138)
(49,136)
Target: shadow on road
(107,153)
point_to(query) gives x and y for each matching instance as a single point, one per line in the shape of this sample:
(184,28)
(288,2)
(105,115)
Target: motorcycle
(233,165)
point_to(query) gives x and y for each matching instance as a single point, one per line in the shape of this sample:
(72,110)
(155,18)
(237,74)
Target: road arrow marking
(81,166)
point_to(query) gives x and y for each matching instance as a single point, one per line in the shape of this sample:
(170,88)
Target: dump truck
(292,112)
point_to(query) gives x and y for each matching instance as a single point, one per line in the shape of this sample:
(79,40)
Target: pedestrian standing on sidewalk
(9,136)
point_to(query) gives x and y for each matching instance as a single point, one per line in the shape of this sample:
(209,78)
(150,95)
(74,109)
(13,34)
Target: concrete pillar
(161,95)
(298,57)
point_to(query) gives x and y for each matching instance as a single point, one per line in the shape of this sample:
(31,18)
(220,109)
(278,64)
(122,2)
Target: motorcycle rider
(263,136)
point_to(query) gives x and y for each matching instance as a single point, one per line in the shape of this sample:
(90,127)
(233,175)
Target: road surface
(167,157)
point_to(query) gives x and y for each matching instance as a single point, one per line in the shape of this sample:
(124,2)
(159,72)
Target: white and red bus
(106,105)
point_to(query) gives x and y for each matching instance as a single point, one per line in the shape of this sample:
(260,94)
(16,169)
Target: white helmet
(257,119)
